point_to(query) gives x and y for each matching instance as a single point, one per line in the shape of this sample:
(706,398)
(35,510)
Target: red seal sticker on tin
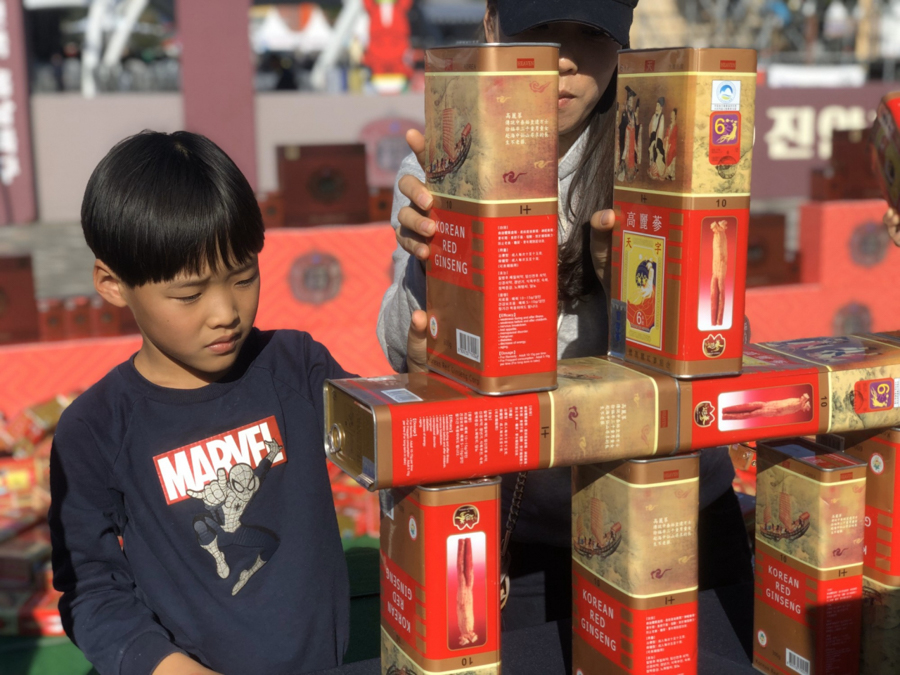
(725,138)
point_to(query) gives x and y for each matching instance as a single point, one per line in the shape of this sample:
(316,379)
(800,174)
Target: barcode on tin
(468,345)
(897,393)
(796,662)
(401,395)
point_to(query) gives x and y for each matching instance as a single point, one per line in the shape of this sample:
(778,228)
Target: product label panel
(514,331)
(679,277)
(461,434)
(660,640)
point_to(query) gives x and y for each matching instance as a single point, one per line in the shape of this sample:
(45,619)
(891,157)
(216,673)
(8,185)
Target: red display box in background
(327,281)
(847,274)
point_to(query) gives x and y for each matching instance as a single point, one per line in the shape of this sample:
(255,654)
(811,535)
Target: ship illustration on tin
(786,527)
(455,148)
(600,543)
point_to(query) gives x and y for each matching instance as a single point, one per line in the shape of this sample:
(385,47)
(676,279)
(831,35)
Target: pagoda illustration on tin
(454,147)
(596,541)
(786,527)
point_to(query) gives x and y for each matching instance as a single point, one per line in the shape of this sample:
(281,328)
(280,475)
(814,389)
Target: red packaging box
(35,423)
(810,510)
(18,475)
(105,319)
(77,317)
(40,615)
(18,311)
(15,521)
(51,319)
(440,579)
(22,559)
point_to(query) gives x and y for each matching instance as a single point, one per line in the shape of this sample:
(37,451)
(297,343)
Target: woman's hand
(415,343)
(891,222)
(416,228)
(602,223)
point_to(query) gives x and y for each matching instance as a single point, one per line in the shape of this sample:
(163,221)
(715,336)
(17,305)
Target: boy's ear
(108,285)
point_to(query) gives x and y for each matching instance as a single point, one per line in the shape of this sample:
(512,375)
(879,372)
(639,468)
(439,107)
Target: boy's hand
(415,343)
(891,222)
(602,223)
(179,664)
(416,228)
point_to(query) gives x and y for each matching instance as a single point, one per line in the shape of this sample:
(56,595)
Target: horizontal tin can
(634,566)
(415,429)
(880,652)
(884,140)
(798,387)
(684,137)
(420,428)
(491,166)
(440,576)
(810,510)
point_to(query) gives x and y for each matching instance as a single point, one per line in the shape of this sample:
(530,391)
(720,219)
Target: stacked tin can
(810,503)
(684,137)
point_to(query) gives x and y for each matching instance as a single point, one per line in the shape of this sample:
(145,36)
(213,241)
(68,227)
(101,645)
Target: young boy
(204,451)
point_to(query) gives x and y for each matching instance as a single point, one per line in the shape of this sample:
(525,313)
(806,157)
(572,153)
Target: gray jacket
(583,331)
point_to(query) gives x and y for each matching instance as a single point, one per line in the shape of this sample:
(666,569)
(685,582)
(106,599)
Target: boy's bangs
(162,205)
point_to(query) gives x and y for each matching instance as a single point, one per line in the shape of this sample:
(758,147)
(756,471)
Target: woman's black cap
(610,16)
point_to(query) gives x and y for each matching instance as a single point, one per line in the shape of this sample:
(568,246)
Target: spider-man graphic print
(224,473)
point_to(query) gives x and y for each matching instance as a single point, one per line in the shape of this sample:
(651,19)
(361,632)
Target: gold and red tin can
(634,566)
(880,653)
(491,166)
(884,140)
(440,579)
(810,509)
(419,428)
(682,199)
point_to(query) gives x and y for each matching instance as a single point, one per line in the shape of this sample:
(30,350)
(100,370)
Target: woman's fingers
(603,220)
(415,191)
(416,142)
(415,232)
(416,228)
(416,343)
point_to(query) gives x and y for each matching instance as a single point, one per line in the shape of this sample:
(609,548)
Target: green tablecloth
(58,656)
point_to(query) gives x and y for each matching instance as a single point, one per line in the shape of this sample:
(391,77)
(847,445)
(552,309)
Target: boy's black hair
(161,204)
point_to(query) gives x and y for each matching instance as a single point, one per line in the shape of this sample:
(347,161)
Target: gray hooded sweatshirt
(583,331)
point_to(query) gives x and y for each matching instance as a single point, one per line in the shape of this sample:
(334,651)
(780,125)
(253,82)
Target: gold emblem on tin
(466,517)
(714,346)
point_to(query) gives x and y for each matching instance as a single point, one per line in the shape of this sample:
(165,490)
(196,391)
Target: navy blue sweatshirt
(221,496)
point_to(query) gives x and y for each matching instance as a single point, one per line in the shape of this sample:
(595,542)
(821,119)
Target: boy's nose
(224,311)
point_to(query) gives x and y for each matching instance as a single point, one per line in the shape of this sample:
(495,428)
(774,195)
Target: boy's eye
(248,282)
(189,298)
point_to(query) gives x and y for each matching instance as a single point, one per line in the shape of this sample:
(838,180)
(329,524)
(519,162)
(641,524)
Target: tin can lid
(460,484)
(650,460)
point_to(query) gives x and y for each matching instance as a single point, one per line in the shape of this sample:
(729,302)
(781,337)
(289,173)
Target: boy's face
(194,325)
